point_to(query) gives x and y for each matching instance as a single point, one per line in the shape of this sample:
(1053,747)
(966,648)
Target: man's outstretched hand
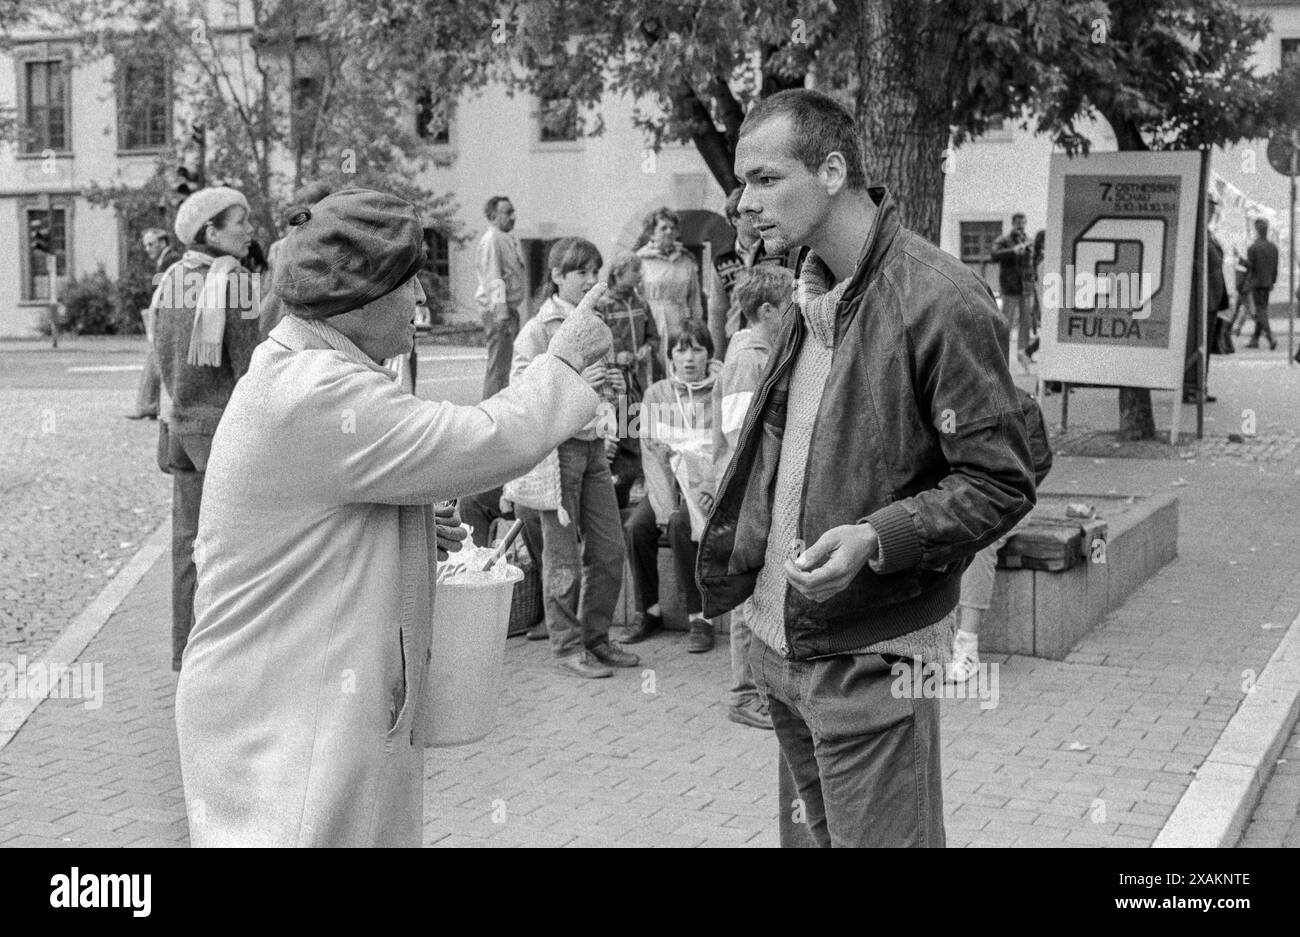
(830,564)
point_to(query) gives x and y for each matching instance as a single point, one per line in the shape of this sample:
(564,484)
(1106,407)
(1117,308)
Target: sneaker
(582,664)
(751,713)
(609,653)
(701,637)
(537,632)
(642,627)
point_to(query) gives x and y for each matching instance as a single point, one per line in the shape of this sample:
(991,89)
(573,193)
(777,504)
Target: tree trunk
(1136,420)
(904,102)
(718,153)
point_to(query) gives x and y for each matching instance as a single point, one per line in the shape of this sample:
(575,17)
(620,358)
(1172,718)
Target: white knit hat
(202,207)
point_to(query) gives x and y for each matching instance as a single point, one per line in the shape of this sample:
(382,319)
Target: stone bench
(1044,611)
(1051,588)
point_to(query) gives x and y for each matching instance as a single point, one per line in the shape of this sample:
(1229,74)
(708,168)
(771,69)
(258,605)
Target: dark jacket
(728,264)
(1261,260)
(1217,292)
(920,432)
(632,326)
(1015,269)
(165,259)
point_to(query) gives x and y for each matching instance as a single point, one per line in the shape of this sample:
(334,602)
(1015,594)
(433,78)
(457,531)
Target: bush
(93,306)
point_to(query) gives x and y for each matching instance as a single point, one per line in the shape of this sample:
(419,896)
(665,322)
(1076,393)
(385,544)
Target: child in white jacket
(676,429)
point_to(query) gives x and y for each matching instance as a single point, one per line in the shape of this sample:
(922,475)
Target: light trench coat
(299,708)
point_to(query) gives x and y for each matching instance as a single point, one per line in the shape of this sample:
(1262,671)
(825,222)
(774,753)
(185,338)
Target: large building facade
(83,122)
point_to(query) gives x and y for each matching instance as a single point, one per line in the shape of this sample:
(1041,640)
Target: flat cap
(348,249)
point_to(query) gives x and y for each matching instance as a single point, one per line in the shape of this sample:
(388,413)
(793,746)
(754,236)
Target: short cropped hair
(490,209)
(821,126)
(689,333)
(1261,225)
(766,283)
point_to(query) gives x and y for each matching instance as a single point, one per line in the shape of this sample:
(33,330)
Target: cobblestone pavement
(79,488)
(1092,750)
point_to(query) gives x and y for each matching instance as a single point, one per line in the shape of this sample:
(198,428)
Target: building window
(557,118)
(977,239)
(432,121)
(145,118)
(36,285)
(1290,51)
(439,251)
(46,106)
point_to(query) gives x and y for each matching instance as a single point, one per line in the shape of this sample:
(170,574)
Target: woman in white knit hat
(205,329)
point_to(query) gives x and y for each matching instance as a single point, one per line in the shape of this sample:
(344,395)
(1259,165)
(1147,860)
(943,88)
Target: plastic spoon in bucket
(509,538)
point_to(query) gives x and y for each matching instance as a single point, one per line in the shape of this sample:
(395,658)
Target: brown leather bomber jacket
(920,432)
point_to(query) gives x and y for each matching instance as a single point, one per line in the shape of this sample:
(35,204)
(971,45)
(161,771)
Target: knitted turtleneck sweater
(807,385)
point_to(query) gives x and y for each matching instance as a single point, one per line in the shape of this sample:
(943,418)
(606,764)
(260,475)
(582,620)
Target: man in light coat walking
(301,710)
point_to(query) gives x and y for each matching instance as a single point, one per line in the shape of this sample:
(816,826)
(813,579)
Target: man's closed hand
(830,564)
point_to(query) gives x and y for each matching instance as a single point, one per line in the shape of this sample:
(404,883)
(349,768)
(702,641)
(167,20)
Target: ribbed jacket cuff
(900,547)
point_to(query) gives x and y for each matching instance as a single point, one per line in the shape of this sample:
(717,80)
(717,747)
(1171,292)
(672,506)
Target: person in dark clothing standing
(1015,256)
(885,447)
(1218,340)
(162,255)
(747,252)
(1261,264)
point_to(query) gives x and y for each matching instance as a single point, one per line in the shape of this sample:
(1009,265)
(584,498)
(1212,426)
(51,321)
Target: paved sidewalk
(1093,750)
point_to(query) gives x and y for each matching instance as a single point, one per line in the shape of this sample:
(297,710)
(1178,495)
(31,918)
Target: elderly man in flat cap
(300,707)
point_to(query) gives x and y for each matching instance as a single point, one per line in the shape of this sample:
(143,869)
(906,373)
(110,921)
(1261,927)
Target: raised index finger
(589,301)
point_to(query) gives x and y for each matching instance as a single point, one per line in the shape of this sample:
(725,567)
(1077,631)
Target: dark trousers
(626,469)
(146,395)
(500,347)
(186,461)
(1212,340)
(642,535)
(859,763)
(1260,299)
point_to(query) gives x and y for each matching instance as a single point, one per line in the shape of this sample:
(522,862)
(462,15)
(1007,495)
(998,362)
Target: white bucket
(469,638)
